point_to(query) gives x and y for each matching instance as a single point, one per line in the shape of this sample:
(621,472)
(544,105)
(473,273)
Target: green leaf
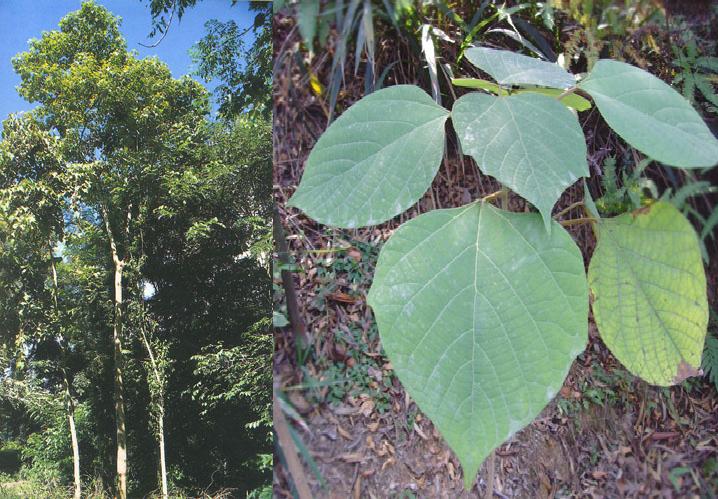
(307,14)
(649,293)
(707,62)
(529,142)
(481,312)
(510,68)
(651,116)
(710,360)
(375,161)
(279,319)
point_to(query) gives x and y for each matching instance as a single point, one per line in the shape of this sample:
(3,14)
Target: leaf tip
(685,371)
(469,481)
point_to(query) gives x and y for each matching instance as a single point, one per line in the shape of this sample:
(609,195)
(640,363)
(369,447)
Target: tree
(124,127)
(140,272)
(32,176)
(244,73)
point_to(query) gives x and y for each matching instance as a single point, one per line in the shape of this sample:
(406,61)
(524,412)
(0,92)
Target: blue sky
(21,20)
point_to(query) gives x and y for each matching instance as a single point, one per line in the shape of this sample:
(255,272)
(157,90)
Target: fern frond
(710,359)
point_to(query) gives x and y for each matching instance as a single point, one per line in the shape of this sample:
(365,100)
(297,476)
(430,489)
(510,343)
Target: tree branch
(165,30)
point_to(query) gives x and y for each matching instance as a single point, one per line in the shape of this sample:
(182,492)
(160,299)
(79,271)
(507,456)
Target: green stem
(504,198)
(567,209)
(568,91)
(578,221)
(492,196)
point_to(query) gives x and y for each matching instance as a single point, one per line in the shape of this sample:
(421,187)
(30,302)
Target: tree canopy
(133,236)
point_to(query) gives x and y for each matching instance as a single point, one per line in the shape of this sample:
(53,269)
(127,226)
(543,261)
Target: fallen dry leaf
(341,297)
(352,457)
(355,254)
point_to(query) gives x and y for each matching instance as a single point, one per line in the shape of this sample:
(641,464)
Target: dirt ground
(607,434)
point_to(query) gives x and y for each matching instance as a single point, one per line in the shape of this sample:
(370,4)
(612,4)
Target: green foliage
(537,155)
(244,73)
(696,73)
(624,192)
(709,364)
(359,375)
(605,25)
(361,171)
(238,372)
(482,311)
(649,293)
(644,110)
(48,453)
(510,68)
(118,151)
(459,353)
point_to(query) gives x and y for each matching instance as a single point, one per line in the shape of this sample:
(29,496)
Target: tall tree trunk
(119,391)
(119,387)
(163,464)
(160,410)
(73,437)
(69,403)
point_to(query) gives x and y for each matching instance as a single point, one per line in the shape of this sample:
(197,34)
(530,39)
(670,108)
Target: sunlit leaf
(651,116)
(510,68)
(375,161)
(528,142)
(649,293)
(481,312)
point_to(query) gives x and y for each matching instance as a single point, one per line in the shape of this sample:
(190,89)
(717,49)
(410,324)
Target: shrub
(480,310)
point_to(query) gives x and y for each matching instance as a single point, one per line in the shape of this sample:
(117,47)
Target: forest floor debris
(606,433)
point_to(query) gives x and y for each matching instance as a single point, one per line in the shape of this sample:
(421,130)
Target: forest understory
(606,434)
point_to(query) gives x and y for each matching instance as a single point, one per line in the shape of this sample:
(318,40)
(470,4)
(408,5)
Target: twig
(492,196)
(567,209)
(504,198)
(491,462)
(295,317)
(578,221)
(566,92)
(166,28)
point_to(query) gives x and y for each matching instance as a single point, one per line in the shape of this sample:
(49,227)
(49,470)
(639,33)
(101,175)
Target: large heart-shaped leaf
(529,142)
(510,68)
(375,161)
(481,312)
(649,293)
(651,116)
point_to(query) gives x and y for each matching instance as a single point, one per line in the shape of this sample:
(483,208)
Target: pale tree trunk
(119,386)
(119,391)
(160,412)
(163,462)
(69,403)
(73,436)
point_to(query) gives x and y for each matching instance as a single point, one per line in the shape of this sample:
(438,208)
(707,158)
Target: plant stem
(492,196)
(568,91)
(567,209)
(504,198)
(490,472)
(578,221)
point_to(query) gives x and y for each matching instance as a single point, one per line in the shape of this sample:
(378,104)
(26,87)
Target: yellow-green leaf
(649,293)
